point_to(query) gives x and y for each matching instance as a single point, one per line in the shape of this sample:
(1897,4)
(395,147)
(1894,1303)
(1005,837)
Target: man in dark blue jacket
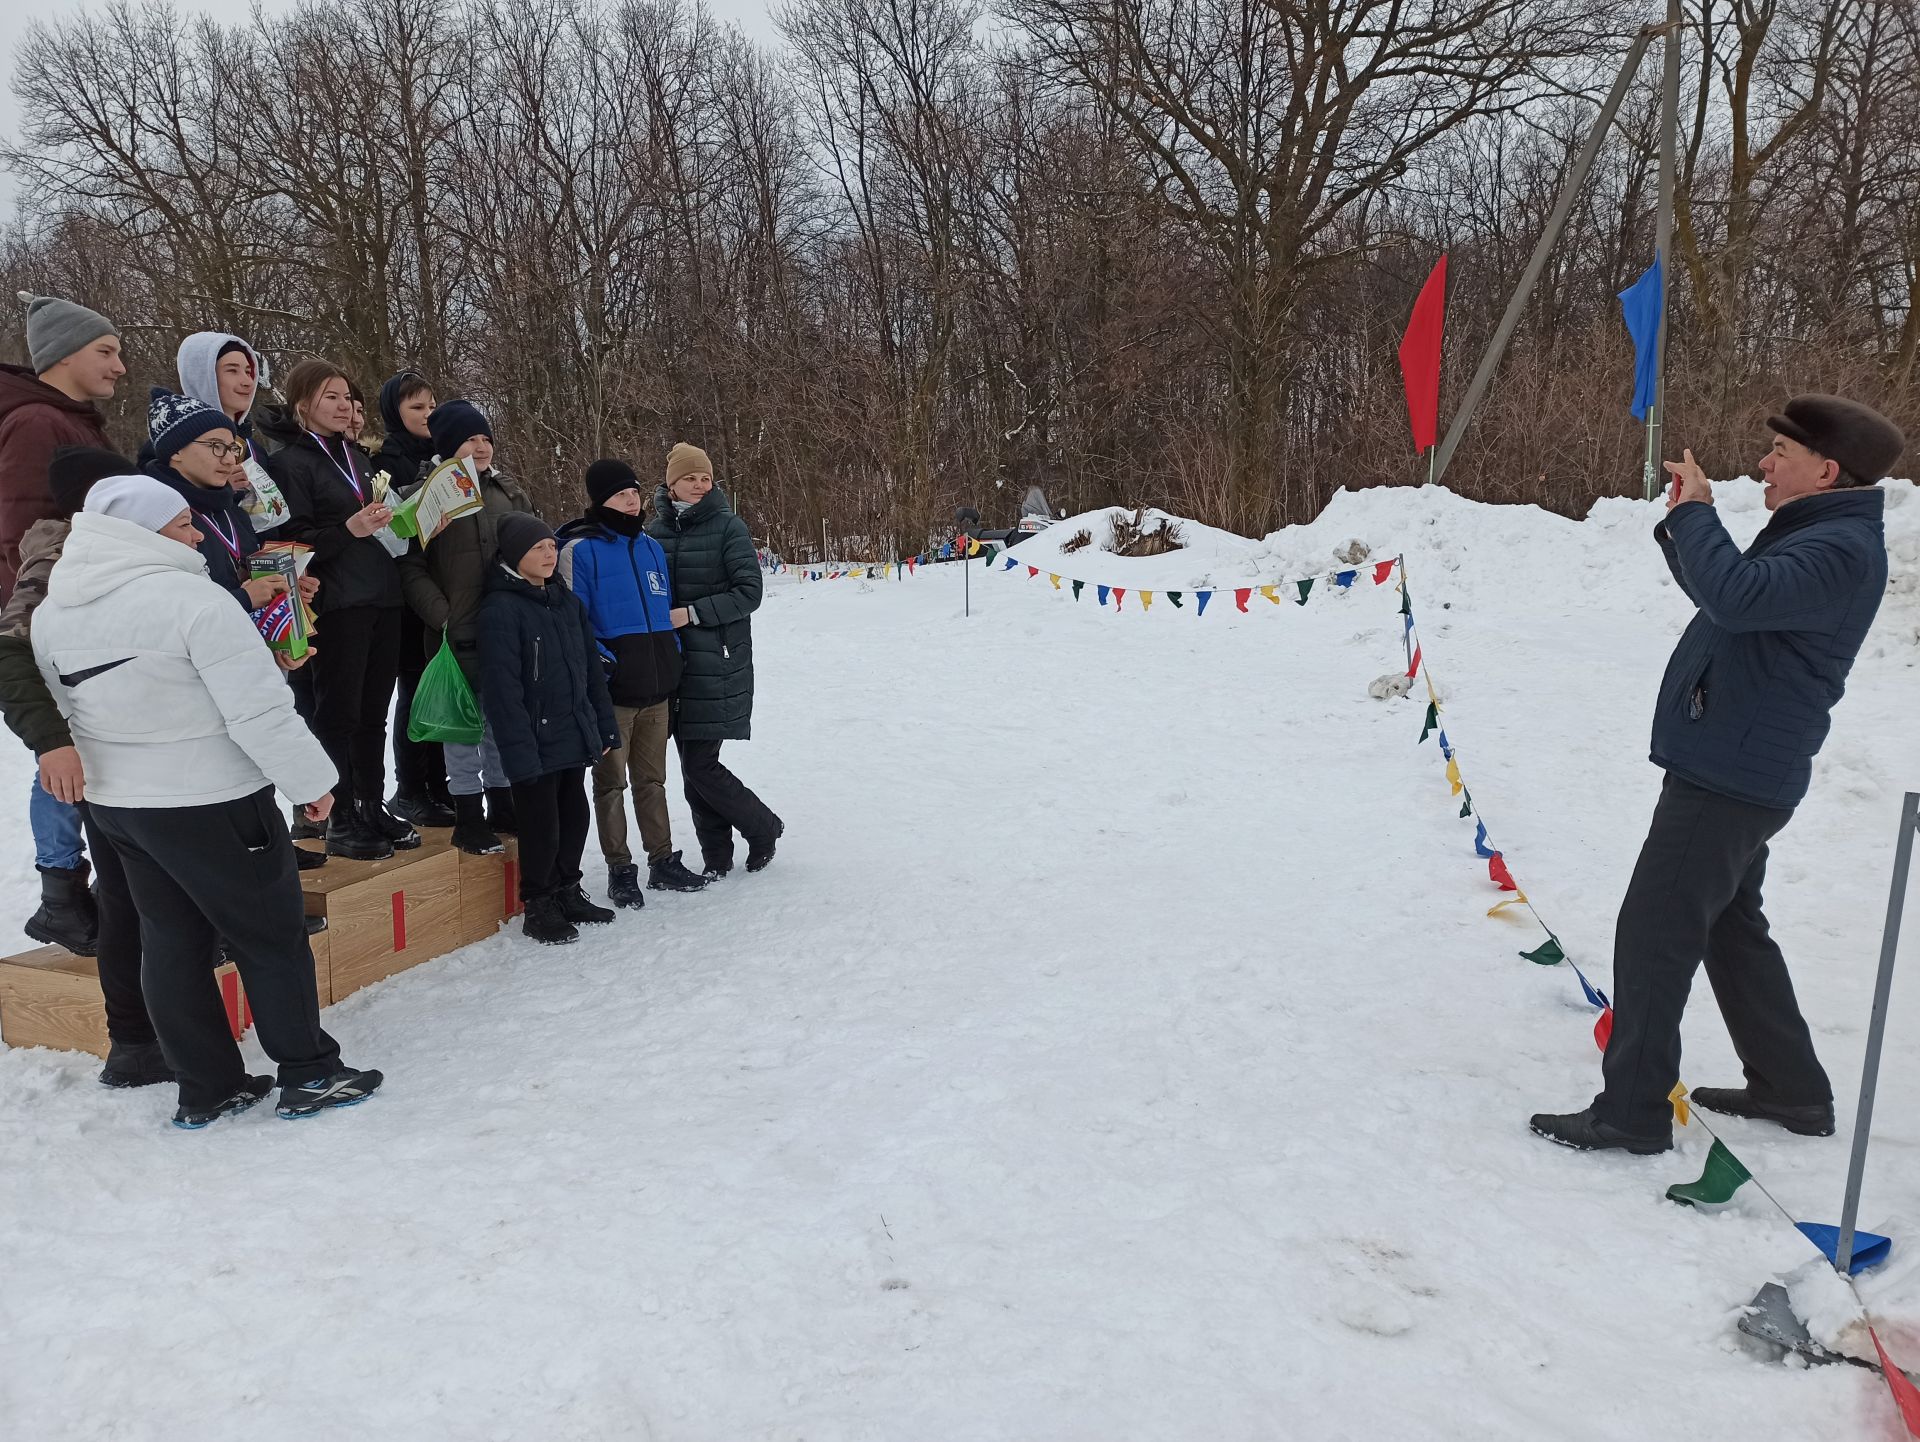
(1741,713)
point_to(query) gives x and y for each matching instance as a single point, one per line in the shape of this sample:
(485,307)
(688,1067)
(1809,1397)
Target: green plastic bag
(443,705)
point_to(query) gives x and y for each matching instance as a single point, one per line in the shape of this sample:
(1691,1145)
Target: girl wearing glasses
(197,451)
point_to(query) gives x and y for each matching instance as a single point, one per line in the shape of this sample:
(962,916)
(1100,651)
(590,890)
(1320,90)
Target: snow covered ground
(1118,1048)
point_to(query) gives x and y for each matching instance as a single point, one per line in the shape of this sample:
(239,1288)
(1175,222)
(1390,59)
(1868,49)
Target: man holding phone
(1742,711)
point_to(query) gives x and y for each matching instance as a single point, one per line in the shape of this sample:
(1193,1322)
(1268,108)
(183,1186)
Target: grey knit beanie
(57,328)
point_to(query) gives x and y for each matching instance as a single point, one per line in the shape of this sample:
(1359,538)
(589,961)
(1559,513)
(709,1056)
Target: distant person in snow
(185,730)
(620,573)
(1742,712)
(716,588)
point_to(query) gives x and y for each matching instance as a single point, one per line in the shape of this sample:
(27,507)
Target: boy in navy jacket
(620,573)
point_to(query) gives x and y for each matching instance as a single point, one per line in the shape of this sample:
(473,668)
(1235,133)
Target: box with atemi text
(385,916)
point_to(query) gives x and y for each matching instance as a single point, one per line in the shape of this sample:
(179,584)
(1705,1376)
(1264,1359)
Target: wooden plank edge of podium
(49,997)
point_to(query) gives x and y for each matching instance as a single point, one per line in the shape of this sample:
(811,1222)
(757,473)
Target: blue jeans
(56,831)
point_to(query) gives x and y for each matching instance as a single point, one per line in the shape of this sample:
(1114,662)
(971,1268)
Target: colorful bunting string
(1301,588)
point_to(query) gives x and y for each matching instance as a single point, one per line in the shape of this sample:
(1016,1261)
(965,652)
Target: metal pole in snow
(1663,243)
(1877,1029)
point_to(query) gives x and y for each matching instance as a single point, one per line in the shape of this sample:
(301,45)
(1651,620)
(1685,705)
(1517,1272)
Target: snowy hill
(1119,1047)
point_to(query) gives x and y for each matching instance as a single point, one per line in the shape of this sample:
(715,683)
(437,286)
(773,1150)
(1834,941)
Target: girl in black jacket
(357,651)
(545,696)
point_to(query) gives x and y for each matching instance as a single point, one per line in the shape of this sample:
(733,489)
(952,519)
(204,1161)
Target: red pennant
(909,565)
(1420,357)
(1905,1396)
(1603,1029)
(1032,571)
(1382,572)
(1497,869)
(1241,597)
(1119,594)
(1413,666)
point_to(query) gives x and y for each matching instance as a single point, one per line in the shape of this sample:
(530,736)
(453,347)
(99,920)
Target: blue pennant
(1869,1248)
(1594,995)
(1103,595)
(1202,597)
(1480,842)
(1345,579)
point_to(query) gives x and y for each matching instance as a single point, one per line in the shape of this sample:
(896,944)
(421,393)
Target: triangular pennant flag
(1119,595)
(973,548)
(1431,724)
(911,564)
(1724,1175)
(1011,563)
(1480,843)
(1174,596)
(1413,666)
(1100,594)
(1200,599)
(1306,589)
(1345,579)
(1497,870)
(1242,596)
(1906,1397)
(1548,954)
(1406,604)
(1682,1112)
(1382,573)
(1453,777)
(1519,898)
(1603,1029)
(1032,571)
(1595,996)
(1146,600)
(1272,593)
(1078,586)
(1055,579)
(1466,804)
(1446,746)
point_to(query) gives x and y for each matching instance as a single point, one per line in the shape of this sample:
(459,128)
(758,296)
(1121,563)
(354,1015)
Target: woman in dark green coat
(716,586)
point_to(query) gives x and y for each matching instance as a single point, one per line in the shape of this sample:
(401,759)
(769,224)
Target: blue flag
(1102,593)
(1482,844)
(1202,597)
(1640,306)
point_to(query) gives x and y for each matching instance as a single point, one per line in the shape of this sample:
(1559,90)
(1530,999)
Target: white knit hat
(139,499)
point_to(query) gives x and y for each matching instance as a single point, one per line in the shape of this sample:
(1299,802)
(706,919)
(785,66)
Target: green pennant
(1432,722)
(1306,590)
(1548,955)
(1406,601)
(1466,804)
(1723,1177)
(1077,585)
(1174,596)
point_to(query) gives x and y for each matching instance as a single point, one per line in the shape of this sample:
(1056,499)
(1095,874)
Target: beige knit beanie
(685,460)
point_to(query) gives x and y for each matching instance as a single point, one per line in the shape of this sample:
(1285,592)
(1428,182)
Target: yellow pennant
(1519,898)
(1682,1112)
(1146,600)
(1272,593)
(1055,579)
(1432,695)
(1453,775)
(973,548)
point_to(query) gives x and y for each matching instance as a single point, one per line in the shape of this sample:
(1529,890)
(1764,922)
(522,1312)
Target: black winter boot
(143,1065)
(500,810)
(542,922)
(470,830)
(420,808)
(577,907)
(67,916)
(348,836)
(306,860)
(670,874)
(1585,1132)
(760,851)
(1813,1119)
(623,887)
(377,819)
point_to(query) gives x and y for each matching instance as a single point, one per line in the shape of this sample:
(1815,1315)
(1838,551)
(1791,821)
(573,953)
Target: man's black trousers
(199,874)
(1694,896)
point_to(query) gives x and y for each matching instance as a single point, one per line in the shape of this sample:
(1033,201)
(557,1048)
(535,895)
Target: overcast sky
(16,15)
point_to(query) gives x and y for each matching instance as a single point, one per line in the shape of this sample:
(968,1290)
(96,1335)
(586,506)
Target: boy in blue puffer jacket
(609,561)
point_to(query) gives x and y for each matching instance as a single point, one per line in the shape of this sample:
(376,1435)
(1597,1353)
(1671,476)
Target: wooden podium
(382,917)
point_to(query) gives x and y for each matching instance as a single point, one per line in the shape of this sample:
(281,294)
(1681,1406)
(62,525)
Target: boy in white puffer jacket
(185,728)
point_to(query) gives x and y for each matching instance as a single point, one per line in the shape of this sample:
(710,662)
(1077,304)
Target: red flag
(1382,571)
(1413,666)
(1242,596)
(1420,358)
(1032,571)
(1497,869)
(1603,1028)
(1905,1396)
(1119,594)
